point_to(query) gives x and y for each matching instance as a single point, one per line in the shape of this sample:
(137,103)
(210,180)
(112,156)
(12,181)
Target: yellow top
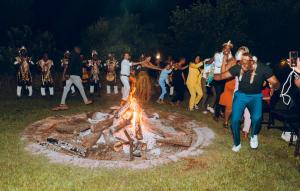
(195,74)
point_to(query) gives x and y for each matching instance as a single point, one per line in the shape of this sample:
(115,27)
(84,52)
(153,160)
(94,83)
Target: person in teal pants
(251,77)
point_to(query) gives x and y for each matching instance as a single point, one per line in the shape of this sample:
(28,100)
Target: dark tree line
(268,27)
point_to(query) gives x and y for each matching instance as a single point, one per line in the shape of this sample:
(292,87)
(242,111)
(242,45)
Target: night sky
(272,36)
(67,19)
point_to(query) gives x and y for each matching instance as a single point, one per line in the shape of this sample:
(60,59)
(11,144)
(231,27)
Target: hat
(245,48)
(228,44)
(22,48)
(94,52)
(254,58)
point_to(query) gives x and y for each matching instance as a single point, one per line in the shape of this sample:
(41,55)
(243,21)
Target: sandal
(88,102)
(61,107)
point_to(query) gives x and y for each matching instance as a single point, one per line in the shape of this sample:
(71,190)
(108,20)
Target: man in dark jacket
(72,75)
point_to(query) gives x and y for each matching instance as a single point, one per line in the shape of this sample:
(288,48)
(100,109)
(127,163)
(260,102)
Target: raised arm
(196,66)
(151,66)
(184,67)
(142,62)
(275,84)
(222,76)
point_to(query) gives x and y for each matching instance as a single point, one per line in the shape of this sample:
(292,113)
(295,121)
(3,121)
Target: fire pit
(124,136)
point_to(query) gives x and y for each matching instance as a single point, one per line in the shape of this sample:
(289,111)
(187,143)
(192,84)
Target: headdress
(94,52)
(228,44)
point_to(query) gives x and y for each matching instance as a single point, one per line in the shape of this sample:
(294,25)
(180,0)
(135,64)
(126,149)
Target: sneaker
(211,110)
(205,112)
(254,142)
(196,107)
(236,148)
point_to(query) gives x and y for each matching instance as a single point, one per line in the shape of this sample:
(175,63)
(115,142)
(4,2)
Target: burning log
(65,129)
(102,125)
(122,124)
(72,148)
(130,144)
(118,146)
(185,141)
(90,141)
(71,128)
(138,132)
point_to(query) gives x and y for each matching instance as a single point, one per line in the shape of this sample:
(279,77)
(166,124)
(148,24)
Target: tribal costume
(93,66)
(111,75)
(64,64)
(46,68)
(23,64)
(143,84)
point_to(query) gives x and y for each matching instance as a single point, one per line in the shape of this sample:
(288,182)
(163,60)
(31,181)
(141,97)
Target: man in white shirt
(125,73)
(219,85)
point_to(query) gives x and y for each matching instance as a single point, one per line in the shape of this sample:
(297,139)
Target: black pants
(219,88)
(179,92)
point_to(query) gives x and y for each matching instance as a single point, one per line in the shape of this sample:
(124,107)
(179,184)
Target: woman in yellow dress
(194,83)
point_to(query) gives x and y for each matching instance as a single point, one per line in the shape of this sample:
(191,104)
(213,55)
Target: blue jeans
(162,84)
(254,104)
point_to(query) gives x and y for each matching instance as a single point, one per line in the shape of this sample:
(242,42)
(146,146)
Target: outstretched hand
(148,59)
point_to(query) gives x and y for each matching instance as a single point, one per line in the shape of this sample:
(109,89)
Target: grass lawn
(271,167)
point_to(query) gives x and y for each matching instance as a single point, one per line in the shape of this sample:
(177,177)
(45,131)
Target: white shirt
(207,69)
(125,67)
(218,60)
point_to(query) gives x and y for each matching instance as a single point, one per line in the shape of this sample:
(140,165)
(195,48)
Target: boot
(107,89)
(171,90)
(116,89)
(92,89)
(43,91)
(51,91)
(29,91)
(19,91)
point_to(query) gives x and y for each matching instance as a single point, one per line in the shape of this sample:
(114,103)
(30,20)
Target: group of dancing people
(225,85)
(235,83)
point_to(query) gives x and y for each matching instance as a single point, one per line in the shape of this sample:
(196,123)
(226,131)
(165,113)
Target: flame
(134,111)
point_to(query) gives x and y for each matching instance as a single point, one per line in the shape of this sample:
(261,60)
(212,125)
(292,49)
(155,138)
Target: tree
(202,28)
(120,34)
(37,44)
(273,27)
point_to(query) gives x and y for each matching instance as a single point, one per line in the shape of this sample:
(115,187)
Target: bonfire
(123,133)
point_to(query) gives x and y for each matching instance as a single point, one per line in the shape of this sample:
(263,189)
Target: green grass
(271,167)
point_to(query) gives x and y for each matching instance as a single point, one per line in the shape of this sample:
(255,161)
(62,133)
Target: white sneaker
(236,148)
(254,142)
(205,112)
(196,107)
(211,110)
